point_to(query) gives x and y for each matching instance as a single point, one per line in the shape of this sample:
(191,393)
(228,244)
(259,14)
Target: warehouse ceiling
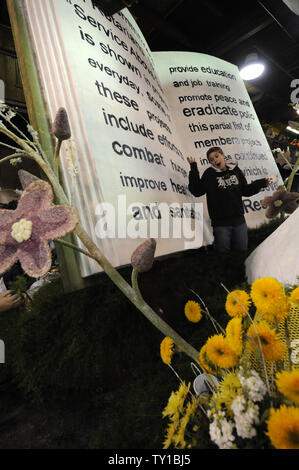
(229,30)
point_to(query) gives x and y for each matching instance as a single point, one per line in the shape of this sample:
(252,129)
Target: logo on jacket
(223,182)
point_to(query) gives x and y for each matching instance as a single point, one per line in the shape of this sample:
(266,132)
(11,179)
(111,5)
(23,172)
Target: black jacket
(224,190)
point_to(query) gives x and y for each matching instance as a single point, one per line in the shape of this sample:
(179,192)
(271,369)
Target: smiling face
(217,160)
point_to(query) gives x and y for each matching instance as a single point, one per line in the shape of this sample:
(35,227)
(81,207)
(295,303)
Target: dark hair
(214,149)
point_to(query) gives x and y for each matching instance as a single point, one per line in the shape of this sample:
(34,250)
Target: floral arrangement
(246,394)
(248,386)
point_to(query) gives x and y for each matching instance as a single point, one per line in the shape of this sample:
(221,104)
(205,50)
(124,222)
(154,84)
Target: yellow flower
(294,296)
(265,289)
(288,384)
(206,364)
(219,352)
(269,298)
(237,303)
(190,409)
(229,388)
(166,350)
(273,348)
(277,311)
(170,433)
(179,438)
(176,401)
(193,311)
(183,391)
(172,407)
(234,335)
(283,427)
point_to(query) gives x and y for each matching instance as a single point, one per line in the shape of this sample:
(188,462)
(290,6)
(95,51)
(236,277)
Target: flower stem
(133,294)
(134,279)
(74,247)
(212,319)
(56,158)
(287,336)
(14,155)
(291,177)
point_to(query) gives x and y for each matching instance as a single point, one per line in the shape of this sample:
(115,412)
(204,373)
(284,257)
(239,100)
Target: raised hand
(9,301)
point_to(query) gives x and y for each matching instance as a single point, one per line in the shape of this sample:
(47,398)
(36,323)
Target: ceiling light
(252,67)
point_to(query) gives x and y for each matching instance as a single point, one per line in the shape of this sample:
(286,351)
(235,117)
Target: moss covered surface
(83,370)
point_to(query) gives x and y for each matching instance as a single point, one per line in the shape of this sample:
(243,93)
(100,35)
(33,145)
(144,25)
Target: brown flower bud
(61,128)
(26,178)
(143,257)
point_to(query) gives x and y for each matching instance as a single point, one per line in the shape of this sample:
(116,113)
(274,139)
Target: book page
(210,106)
(124,168)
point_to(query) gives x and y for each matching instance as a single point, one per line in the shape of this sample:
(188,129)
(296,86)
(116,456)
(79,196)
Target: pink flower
(280,201)
(25,232)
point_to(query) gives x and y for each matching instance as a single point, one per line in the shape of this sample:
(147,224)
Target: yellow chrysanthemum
(166,350)
(179,439)
(205,362)
(288,384)
(183,391)
(263,335)
(170,433)
(219,352)
(270,299)
(237,303)
(176,401)
(229,388)
(283,427)
(277,311)
(172,408)
(294,296)
(193,311)
(265,289)
(234,335)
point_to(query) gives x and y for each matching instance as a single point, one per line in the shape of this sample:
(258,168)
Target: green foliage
(19,286)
